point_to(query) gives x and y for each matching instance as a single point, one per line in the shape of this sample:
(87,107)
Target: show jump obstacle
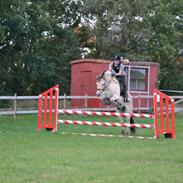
(164,114)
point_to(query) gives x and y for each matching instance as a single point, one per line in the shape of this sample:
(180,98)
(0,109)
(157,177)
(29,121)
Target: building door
(85,83)
(88,86)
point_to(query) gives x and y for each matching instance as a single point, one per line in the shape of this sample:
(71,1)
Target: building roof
(91,60)
(100,61)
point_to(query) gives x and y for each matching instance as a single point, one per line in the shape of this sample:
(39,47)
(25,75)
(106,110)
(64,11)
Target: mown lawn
(28,156)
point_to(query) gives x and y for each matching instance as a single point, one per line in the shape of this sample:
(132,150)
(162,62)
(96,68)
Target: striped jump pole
(105,124)
(115,114)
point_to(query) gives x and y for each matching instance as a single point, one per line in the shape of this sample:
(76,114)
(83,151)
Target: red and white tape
(105,135)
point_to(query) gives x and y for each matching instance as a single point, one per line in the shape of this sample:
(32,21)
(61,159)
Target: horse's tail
(133,130)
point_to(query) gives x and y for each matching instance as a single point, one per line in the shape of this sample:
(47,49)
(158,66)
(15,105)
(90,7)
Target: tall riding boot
(126,97)
(122,94)
(125,93)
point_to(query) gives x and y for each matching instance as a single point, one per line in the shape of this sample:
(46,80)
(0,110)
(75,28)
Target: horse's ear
(102,74)
(99,77)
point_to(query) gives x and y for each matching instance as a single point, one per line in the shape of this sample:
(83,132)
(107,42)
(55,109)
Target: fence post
(64,103)
(15,106)
(139,103)
(86,101)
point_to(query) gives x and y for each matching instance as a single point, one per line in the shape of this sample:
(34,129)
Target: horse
(108,91)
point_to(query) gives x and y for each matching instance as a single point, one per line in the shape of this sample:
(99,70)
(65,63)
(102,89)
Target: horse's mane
(100,76)
(109,74)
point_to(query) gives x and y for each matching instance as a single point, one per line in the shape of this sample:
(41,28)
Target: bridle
(105,84)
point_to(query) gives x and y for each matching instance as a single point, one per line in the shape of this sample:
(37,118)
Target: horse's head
(107,87)
(102,81)
(101,84)
(103,87)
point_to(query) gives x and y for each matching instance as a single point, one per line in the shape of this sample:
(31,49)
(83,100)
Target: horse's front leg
(126,130)
(120,107)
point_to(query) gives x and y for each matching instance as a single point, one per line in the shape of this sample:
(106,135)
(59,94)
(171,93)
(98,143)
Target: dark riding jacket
(116,69)
(122,78)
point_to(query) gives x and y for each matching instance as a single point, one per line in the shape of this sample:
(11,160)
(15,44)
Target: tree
(165,41)
(140,30)
(37,43)
(121,26)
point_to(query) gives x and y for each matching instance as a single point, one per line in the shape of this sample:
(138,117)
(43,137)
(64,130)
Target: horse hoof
(132,131)
(49,129)
(123,132)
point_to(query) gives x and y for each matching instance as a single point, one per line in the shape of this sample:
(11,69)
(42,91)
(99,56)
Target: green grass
(28,156)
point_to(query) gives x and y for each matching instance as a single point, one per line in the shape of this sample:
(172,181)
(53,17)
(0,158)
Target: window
(138,79)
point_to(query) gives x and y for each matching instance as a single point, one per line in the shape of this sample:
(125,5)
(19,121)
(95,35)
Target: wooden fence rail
(14,110)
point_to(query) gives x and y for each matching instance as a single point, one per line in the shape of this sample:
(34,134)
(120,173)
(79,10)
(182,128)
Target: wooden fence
(64,102)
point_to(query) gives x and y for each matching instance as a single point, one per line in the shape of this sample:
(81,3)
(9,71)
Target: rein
(106,83)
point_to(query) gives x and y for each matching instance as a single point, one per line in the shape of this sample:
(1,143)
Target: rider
(117,69)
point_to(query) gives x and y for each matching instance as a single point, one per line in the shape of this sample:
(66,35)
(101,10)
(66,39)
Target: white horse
(108,90)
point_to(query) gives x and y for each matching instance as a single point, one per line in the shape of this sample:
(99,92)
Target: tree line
(39,38)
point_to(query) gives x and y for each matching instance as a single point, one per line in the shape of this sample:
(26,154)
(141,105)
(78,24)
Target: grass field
(28,156)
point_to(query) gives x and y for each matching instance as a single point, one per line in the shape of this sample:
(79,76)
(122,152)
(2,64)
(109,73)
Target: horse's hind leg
(132,129)
(125,130)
